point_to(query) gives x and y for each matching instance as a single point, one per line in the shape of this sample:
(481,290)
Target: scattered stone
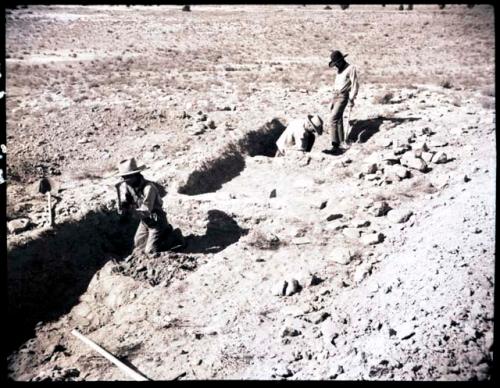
(332,217)
(318,317)
(18,226)
(280,288)
(405,331)
(360,223)
(323,204)
(427,156)
(329,331)
(380,208)
(310,279)
(411,161)
(466,179)
(369,168)
(438,143)
(293,287)
(199,130)
(353,233)
(372,238)
(362,272)
(390,158)
(385,142)
(372,177)
(397,171)
(341,255)
(399,216)
(301,240)
(290,332)
(439,158)
(211,124)
(273,193)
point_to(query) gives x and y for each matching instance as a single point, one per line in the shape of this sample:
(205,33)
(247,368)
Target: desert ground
(376,264)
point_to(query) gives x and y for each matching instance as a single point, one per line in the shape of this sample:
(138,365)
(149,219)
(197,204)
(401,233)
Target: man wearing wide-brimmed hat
(144,198)
(345,90)
(299,135)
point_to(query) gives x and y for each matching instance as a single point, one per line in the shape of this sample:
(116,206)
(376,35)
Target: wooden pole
(127,370)
(49,200)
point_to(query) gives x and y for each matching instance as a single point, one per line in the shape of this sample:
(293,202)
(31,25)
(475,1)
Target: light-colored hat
(316,122)
(129,167)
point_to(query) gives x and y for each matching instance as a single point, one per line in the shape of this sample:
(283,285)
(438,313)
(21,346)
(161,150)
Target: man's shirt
(146,198)
(295,136)
(347,82)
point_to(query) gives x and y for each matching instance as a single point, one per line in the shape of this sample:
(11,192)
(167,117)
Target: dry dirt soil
(376,264)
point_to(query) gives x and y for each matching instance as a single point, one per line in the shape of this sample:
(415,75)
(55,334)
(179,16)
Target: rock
(359,223)
(273,193)
(438,143)
(309,279)
(380,208)
(329,331)
(353,233)
(317,317)
(466,179)
(293,287)
(372,177)
(199,130)
(411,161)
(341,255)
(211,124)
(279,288)
(362,272)
(332,217)
(439,158)
(397,171)
(372,238)
(405,331)
(289,331)
(323,204)
(390,158)
(420,146)
(18,225)
(399,216)
(427,156)
(369,168)
(384,142)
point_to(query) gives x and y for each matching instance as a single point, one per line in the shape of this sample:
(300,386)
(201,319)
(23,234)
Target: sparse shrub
(401,7)
(470,5)
(186,8)
(344,6)
(410,7)
(487,102)
(441,6)
(384,98)
(328,7)
(488,91)
(445,83)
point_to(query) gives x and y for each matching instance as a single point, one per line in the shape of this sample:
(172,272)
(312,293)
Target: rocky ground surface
(376,264)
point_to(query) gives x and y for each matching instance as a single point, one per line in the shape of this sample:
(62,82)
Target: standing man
(299,135)
(345,90)
(143,198)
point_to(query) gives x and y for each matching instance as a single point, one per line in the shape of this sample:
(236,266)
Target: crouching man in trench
(144,199)
(299,135)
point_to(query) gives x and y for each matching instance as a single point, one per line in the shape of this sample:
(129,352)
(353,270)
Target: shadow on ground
(213,173)
(47,275)
(222,231)
(363,130)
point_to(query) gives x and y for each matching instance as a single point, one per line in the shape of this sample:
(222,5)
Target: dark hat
(336,56)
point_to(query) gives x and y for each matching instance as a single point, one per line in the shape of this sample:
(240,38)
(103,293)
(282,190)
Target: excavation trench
(47,275)
(230,161)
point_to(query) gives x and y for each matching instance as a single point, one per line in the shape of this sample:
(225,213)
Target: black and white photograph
(249,192)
